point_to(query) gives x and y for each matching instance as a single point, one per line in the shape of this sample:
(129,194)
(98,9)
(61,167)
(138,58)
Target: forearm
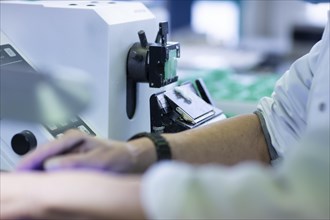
(227,142)
(70,195)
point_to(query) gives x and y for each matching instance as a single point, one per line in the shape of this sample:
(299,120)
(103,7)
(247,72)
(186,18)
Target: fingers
(76,150)
(35,160)
(99,159)
(73,161)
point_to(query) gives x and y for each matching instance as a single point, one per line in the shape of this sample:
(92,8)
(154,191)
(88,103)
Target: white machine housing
(92,36)
(10,127)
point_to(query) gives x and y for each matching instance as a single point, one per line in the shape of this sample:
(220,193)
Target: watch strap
(163,149)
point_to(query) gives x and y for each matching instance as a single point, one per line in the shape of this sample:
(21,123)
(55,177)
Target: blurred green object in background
(234,90)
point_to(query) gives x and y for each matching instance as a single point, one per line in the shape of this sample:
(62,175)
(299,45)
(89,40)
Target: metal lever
(203,91)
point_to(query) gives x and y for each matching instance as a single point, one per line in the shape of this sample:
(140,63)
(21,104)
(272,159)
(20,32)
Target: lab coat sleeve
(286,112)
(298,189)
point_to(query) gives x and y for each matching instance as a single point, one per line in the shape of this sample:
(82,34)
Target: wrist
(143,153)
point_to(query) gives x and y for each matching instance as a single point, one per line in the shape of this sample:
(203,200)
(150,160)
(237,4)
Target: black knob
(23,142)
(143,39)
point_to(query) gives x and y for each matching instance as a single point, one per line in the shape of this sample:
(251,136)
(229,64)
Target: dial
(23,142)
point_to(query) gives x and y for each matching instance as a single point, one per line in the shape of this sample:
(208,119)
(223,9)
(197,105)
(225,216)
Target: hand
(69,195)
(76,150)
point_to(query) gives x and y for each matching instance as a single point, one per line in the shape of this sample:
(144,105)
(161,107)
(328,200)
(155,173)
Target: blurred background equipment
(240,48)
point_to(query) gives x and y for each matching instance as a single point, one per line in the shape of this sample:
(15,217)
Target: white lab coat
(297,117)
(301,98)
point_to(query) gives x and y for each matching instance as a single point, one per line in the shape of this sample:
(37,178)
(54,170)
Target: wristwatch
(163,149)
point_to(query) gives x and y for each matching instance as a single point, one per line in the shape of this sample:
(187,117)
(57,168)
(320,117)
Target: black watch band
(163,149)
